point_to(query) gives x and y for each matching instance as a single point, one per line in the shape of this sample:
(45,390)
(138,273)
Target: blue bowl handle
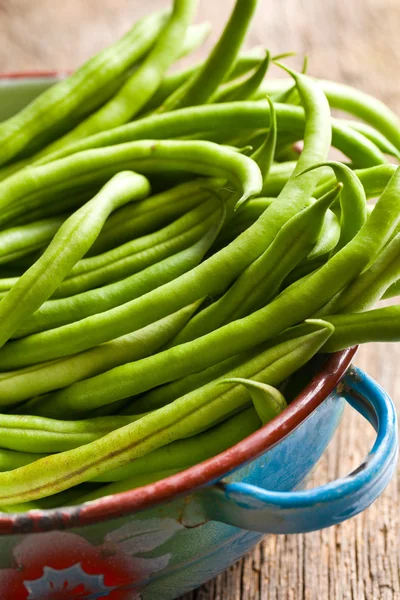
(253,508)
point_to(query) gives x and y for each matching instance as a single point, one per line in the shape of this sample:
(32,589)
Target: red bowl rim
(190,480)
(35,75)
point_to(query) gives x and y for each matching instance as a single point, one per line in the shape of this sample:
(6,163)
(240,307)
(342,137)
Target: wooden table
(354,41)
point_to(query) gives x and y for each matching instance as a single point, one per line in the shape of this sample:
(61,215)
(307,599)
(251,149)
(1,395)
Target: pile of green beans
(170,255)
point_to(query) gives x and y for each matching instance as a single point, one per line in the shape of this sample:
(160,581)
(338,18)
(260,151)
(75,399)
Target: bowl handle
(253,508)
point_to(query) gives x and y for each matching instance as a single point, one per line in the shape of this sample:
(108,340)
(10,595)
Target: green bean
(17,242)
(365,107)
(378,325)
(141,218)
(27,433)
(124,381)
(58,472)
(248,115)
(372,284)
(375,136)
(195,37)
(392,291)
(241,90)
(316,108)
(262,278)
(287,309)
(268,401)
(353,202)
(355,257)
(66,310)
(140,86)
(373,179)
(219,63)
(137,262)
(210,277)
(328,238)
(190,451)
(68,100)
(264,155)
(69,244)
(353,101)
(164,394)
(137,254)
(245,62)
(277,178)
(180,226)
(39,184)
(12,459)
(20,385)
(112,271)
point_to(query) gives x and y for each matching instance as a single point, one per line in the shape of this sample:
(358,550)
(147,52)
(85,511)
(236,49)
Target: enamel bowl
(162,540)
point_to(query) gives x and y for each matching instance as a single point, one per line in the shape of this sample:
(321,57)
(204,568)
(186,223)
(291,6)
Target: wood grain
(354,41)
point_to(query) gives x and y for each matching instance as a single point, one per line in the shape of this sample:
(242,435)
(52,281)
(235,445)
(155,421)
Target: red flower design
(62,565)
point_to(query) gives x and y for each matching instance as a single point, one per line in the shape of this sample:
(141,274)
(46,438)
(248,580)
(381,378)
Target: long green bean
(69,244)
(54,110)
(140,86)
(219,63)
(55,313)
(17,386)
(59,472)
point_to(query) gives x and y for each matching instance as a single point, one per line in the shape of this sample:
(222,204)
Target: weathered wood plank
(354,42)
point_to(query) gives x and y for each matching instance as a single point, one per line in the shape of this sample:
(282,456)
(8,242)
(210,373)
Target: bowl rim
(193,478)
(56,75)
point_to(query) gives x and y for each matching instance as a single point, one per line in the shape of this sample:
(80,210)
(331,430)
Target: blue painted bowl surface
(167,550)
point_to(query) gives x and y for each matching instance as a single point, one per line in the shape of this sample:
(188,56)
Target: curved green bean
(87,88)
(35,186)
(355,102)
(69,244)
(246,115)
(268,401)
(20,385)
(264,155)
(219,63)
(213,275)
(28,433)
(141,218)
(353,202)
(56,473)
(378,325)
(131,264)
(262,278)
(371,285)
(189,451)
(140,86)
(241,90)
(137,254)
(17,242)
(55,313)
